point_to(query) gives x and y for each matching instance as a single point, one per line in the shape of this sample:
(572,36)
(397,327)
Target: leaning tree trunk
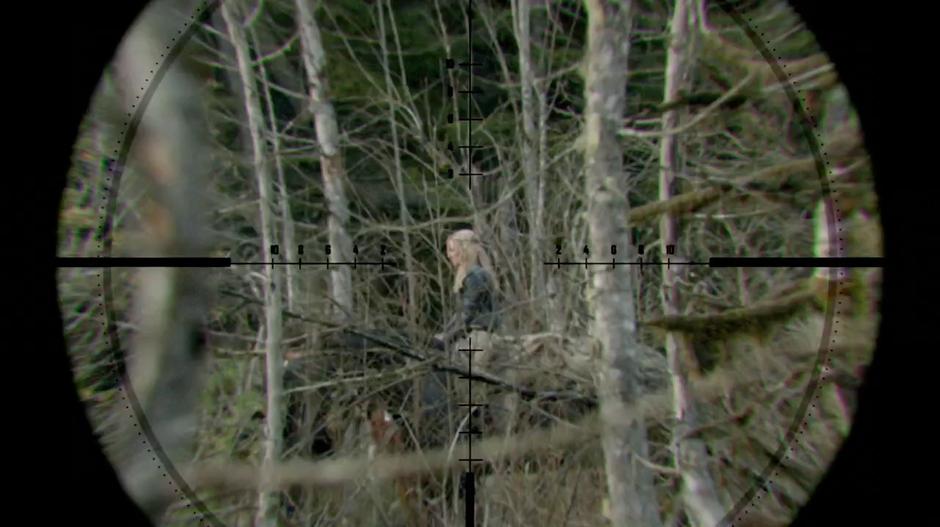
(166,360)
(331,161)
(623,434)
(273,443)
(699,494)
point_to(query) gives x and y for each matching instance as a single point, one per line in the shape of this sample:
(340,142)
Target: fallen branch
(439,365)
(350,469)
(680,204)
(436,364)
(347,470)
(736,320)
(840,147)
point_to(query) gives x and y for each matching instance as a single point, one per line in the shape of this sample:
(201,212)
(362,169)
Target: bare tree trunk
(290,249)
(274,420)
(623,434)
(170,153)
(556,317)
(331,161)
(521,11)
(699,495)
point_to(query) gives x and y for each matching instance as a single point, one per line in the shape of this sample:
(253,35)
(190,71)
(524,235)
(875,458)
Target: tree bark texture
(698,495)
(331,160)
(532,174)
(630,483)
(274,418)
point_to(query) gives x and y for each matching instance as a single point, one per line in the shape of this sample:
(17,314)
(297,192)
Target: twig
(630,132)
(657,467)
(436,364)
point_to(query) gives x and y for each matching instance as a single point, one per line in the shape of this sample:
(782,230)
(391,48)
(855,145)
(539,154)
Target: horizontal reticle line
(615,262)
(324,262)
(184,261)
(715,261)
(747,261)
(139,261)
(768,261)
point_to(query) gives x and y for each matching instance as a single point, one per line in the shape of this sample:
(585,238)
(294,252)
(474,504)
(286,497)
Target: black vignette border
(872,46)
(868,44)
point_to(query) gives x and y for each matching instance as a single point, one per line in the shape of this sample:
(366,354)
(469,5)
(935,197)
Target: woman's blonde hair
(471,252)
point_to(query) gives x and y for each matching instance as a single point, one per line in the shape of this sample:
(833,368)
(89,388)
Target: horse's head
(384,432)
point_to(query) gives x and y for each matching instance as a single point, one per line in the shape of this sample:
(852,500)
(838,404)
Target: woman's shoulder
(476,273)
(477,277)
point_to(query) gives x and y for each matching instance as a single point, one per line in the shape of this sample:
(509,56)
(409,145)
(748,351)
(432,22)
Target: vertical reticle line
(466,116)
(469,401)
(469,95)
(467,481)
(468,498)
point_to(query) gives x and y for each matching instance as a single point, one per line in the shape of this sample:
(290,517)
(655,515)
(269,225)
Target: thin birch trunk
(632,499)
(556,315)
(287,221)
(274,420)
(331,161)
(699,495)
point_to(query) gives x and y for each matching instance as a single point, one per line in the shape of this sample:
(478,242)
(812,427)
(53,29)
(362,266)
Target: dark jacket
(478,306)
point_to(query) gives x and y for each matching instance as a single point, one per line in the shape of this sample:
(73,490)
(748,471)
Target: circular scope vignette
(256,273)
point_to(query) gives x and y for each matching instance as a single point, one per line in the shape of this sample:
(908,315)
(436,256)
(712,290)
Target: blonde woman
(475,287)
(473,326)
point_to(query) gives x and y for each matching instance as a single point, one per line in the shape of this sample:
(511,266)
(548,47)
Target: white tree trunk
(630,483)
(274,420)
(290,249)
(699,494)
(331,161)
